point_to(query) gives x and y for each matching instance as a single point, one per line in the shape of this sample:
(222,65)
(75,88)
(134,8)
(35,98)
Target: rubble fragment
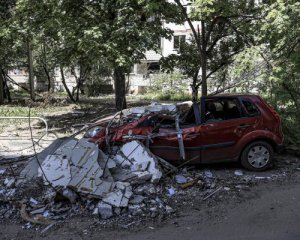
(171,191)
(135,209)
(9,182)
(137,199)
(56,170)
(31,169)
(138,155)
(105,210)
(180,179)
(208,174)
(238,173)
(118,198)
(69,194)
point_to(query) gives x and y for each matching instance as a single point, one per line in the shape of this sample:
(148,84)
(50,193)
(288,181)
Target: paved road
(274,214)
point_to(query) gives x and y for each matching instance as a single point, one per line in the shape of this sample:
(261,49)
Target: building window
(178,40)
(153,67)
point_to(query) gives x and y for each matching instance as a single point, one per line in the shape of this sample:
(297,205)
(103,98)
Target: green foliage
(220,30)
(165,96)
(168,86)
(186,60)
(171,83)
(281,31)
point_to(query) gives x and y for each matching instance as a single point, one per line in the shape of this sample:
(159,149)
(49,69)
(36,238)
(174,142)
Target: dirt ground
(267,207)
(268,210)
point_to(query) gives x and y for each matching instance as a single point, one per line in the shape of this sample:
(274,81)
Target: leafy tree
(82,32)
(219,31)
(7,43)
(280,32)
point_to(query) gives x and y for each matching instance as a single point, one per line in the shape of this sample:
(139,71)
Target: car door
(222,128)
(167,144)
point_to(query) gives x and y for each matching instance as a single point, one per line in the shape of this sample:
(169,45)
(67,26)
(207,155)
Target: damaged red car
(220,128)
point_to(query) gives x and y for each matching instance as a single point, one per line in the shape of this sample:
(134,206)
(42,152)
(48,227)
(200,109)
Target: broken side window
(222,109)
(251,109)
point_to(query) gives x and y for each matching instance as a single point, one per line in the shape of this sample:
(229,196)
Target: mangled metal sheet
(153,108)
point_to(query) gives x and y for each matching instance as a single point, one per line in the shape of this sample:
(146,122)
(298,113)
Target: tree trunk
(30,68)
(204,77)
(203,60)
(6,88)
(48,78)
(120,88)
(65,85)
(195,87)
(1,87)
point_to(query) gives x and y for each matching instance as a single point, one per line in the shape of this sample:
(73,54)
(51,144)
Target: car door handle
(243,125)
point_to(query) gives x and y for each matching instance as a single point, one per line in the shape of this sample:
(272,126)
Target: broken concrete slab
(121,160)
(56,170)
(86,172)
(75,164)
(118,198)
(142,176)
(136,153)
(123,174)
(31,169)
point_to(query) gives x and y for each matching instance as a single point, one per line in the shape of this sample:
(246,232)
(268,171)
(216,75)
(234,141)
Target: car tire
(257,156)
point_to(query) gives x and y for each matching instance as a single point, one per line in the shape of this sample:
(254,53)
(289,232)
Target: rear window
(251,109)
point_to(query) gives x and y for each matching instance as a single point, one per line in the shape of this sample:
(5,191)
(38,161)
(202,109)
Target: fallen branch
(39,219)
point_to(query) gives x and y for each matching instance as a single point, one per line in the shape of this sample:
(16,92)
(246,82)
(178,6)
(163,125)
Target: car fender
(256,136)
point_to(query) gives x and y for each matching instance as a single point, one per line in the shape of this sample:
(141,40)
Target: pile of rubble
(78,171)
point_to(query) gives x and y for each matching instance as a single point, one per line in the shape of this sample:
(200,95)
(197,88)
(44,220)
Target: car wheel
(257,156)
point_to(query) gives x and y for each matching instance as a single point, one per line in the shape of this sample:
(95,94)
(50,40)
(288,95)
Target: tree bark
(6,88)
(120,88)
(30,68)
(65,85)
(203,60)
(48,78)
(1,87)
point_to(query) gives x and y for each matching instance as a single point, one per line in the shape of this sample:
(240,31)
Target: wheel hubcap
(258,156)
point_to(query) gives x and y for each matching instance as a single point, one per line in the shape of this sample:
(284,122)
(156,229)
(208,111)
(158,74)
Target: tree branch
(224,63)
